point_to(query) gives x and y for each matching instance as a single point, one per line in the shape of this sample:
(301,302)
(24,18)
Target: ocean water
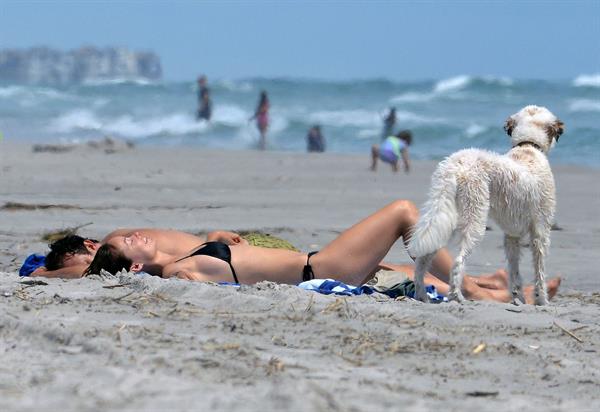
(444,115)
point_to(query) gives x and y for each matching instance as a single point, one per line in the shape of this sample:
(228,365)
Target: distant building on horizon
(44,65)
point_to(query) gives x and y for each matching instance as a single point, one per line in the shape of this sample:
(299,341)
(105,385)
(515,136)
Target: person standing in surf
(315,142)
(389,122)
(204,103)
(261,114)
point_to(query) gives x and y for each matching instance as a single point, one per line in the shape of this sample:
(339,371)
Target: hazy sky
(330,40)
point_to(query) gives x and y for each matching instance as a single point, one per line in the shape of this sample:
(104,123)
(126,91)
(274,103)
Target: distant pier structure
(46,66)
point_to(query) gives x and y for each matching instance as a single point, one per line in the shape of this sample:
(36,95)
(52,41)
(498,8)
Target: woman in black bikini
(353,257)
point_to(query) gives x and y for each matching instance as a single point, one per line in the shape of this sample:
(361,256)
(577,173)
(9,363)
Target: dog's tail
(439,215)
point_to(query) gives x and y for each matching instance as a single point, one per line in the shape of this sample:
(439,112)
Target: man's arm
(228,238)
(69,272)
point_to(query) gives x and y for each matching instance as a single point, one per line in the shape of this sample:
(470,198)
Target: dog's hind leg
(466,244)
(422,265)
(456,276)
(512,249)
(539,247)
(473,206)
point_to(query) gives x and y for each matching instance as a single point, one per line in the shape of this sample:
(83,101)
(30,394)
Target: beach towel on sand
(32,262)
(390,283)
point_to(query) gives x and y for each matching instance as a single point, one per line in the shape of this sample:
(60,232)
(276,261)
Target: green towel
(392,283)
(267,240)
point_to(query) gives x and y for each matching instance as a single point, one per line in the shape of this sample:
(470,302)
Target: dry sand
(150,343)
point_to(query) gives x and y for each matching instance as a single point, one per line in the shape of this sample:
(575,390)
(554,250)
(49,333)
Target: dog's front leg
(512,249)
(539,246)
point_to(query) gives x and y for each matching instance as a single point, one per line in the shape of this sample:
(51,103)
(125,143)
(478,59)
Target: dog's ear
(509,125)
(555,129)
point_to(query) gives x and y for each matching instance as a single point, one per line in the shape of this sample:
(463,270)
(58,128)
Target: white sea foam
(452,84)
(100,102)
(587,80)
(368,134)
(127,126)
(115,81)
(230,115)
(171,124)
(412,97)
(460,82)
(32,95)
(365,119)
(403,116)
(11,91)
(584,105)
(340,118)
(278,123)
(79,119)
(501,80)
(475,129)
(235,86)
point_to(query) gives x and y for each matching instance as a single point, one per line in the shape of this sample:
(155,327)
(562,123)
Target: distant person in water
(261,114)
(315,142)
(204,103)
(389,122)
(391,149)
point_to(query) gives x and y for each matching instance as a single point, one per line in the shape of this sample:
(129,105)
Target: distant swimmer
(204,103)
(315,142)
(389,122)
(261,114)
(391,149)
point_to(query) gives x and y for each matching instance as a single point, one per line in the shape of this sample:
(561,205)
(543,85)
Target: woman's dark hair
(263,98)
(110,259)
(405,135)
(68,245)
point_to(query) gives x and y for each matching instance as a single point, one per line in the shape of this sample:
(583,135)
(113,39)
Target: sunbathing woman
(353,257)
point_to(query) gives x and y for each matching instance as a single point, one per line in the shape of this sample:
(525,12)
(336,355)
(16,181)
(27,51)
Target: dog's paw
(456,296)
(422,295)
(518,298)
(541,296)
(517,301)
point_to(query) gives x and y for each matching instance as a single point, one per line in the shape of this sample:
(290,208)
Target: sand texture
(143,343)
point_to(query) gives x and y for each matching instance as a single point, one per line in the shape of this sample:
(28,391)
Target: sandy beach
(142,343)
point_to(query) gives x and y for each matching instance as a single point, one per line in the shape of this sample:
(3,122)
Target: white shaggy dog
(515,189)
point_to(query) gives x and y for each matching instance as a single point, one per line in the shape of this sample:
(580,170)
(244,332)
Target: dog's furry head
(534,124)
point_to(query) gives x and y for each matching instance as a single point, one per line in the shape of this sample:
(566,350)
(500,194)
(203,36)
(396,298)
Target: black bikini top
(217,250)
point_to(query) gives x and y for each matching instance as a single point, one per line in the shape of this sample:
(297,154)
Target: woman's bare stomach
(254,264)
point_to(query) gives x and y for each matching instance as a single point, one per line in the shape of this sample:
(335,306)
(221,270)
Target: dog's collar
(537,146)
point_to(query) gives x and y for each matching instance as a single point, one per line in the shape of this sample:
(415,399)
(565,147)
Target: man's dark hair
(110,259)
(59,250)
(405,135)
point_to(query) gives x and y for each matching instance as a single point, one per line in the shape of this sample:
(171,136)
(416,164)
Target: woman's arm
(188,276)
(183,270)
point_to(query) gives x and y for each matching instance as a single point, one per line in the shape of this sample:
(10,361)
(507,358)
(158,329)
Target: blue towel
(32,262)
(235,285)
(329,286)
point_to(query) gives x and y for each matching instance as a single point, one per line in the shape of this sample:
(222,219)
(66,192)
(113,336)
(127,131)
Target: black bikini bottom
(307,272)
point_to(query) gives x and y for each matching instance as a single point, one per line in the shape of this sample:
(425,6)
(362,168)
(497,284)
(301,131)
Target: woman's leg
(262,144)
(374,157)
(357,252)
(471,289)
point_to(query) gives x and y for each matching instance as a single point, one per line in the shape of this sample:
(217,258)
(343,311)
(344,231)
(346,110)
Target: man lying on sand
(353,257)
